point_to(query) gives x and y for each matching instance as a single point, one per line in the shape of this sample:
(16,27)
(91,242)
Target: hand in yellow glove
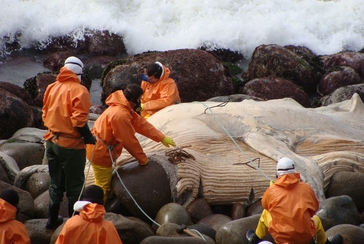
(271,182)
(167,141)
(144,163)
(141,107)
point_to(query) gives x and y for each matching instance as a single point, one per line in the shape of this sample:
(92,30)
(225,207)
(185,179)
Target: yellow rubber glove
(142,107)
(145,163)
(271,182)
(167,141)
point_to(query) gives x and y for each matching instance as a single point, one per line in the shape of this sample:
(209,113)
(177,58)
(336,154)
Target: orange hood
(7,211)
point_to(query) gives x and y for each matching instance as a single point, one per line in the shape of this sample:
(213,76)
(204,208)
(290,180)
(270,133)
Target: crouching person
(289,211)
(89,226)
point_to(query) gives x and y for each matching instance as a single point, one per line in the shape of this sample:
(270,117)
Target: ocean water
(324,26)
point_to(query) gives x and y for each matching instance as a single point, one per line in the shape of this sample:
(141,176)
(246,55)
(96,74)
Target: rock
(350,233)
(199,75)
(354,60)
(345,183)
(174,240)
(10,166)
(41,204)
(238,211)
(153,183)
(37,231)
(278,61)
(37,184)
(15,114)
(234,231)
(131,230)
(342,94)
(37,85)
(215,221)
(198,209)
(268,88)
(340,77)
(17,91)
(26,205)
(254,208)
(173,213)
(338,210)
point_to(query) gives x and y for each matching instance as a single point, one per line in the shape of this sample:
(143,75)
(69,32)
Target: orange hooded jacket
(66,104)
(117,126)
(11,230)
(160,94)
(89,227)
(291,203)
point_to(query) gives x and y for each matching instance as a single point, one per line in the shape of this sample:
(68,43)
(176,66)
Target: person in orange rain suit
(289,211)
(89,226)
(66,105)
(11,230)
(160,91)
(116,127)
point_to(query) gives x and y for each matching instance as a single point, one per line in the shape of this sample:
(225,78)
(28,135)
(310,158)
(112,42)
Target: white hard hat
(285,166)
(74,64)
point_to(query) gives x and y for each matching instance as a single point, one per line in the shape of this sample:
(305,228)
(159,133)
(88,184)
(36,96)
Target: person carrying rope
(160,90)
(66,105)
(115,129)
(289,211)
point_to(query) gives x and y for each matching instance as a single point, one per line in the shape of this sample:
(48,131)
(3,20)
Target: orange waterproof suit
(117,126)
(291,203)
(160,94)
(89,227)
(11,230)
(66,104)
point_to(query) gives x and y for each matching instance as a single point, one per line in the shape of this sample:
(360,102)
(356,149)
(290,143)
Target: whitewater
(326,27)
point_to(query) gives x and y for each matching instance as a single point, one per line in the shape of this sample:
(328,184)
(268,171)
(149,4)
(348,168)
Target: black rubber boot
(337,239)
(53,219)
(252,237)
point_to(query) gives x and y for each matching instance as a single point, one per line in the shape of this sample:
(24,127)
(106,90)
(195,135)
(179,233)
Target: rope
(232,139)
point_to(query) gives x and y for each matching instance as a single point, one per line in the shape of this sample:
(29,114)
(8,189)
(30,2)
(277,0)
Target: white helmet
(285,166)
(75,65)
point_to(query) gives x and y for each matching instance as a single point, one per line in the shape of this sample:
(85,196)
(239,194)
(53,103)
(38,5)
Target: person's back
(11,230)
(292,204)
(89,226)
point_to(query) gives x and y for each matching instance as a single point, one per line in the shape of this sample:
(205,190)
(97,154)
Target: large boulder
(285,62)
(199,74)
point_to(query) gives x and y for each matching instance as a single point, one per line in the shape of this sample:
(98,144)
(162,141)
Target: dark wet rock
(234,231)
(254,208)
(343,76)
(23,176)
(10,166)
(154,183)
(131,230)
(175,230)
(268,88)
(37,231)
(346,183)
(204,229)
(198,209)
(174,240)
(199,75)
(55,61)
(14,114)
(278,61)
(225,55)
(104,43)
(26,206)
(354,60)
(37,85)
(41,204)
(342,94)
(238,211)
(25,153)
(215,221)
(37,184)
(338,210)
(17,91)
(96,65)
(173,213)
(350,233)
